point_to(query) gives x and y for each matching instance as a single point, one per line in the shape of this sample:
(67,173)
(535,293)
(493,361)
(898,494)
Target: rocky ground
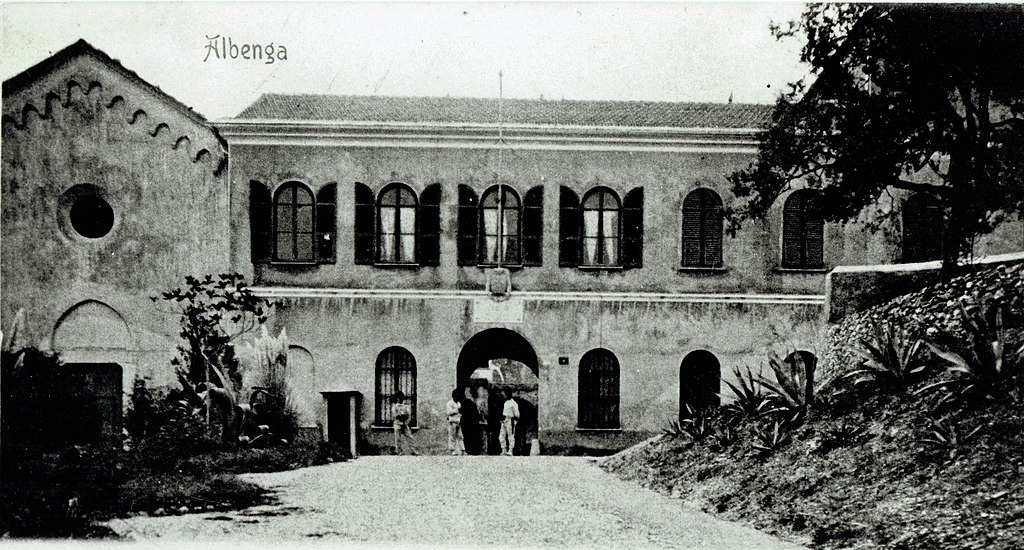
(460,501)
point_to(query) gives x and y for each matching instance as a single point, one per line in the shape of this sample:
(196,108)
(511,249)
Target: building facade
(420,244)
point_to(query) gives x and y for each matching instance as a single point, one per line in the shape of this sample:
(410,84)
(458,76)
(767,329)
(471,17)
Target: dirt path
(464,501)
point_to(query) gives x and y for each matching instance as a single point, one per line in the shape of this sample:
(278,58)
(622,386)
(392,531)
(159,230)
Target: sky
(668,51)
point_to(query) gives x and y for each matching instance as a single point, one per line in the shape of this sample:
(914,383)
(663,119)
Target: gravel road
(457,501)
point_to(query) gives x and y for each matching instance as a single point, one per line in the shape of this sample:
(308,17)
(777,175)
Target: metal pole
(501,189)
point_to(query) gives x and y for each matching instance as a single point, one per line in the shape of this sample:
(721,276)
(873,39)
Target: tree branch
(939,190)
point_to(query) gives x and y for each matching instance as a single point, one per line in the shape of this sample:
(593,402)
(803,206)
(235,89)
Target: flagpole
(501,189)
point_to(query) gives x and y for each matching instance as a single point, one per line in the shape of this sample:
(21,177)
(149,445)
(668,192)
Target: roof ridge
(525,99)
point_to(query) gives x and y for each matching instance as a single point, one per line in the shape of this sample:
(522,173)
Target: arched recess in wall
(700,376)
(92,332)
(301,382)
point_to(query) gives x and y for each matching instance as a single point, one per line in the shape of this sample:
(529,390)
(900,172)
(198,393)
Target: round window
(91,217)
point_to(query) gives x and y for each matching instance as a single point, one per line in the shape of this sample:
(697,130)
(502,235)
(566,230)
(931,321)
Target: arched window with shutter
(468,226)
(396,225)
(599,390)
(702,229)
(395,372)
(500,215)
(326,232)
(261,222)
(568,228)
(601,228)
(429,231)
(803,231)
(922,228)
(294,226)
(533,226)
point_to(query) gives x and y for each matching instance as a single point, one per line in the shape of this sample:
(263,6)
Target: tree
(213,314)
(912,97)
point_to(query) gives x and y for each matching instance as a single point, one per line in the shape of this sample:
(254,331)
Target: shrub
(890,359)
(749,401)
(841,434)
(791,394)
(725,437)
(946,438)
(771,438)
(696,425)
(977,364)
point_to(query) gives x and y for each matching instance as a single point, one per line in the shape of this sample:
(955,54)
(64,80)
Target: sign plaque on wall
(509,311)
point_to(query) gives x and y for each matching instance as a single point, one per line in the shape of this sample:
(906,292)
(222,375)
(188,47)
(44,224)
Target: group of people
(401,412)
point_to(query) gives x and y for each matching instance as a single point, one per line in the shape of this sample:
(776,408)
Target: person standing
(401,412)
(509,418)
(454,409)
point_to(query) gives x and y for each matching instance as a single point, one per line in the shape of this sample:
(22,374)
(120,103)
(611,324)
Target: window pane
(590,251)
(304,215)
(284,217)
(408,221)
(490,249)
(285,246)
(408,252)
(386,249)
(304,246)
(490,221)
(511,221)
(590,223)
(387,221)
(611,223)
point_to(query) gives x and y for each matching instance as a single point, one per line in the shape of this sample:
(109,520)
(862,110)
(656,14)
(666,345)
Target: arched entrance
(700,375)
(492,362)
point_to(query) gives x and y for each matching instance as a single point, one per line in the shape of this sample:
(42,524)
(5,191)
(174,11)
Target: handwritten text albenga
(222,47)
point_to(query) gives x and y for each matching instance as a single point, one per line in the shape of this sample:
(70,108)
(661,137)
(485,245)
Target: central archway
(492,362)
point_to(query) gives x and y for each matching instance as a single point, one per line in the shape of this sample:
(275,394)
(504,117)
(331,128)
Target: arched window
(803,230)
(396,372)
(601,228)
(922,228)
(700,376)
(702,229)
(599,390)
(396,227)
(500,227)
(293,223)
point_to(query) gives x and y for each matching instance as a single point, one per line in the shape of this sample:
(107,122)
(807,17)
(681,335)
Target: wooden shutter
(814,231)
(428,234)
(533,227)
(692,226)
(711,219)
(598,397)
(792,232)
(364,233)
(922,229)
(569,219)
(632,253)
(326,232)
(260,222)
(468,226)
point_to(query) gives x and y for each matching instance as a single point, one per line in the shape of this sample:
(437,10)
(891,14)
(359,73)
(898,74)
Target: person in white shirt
(454,409)
(509,418)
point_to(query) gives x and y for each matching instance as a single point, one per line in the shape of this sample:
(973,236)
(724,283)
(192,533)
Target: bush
(749,401)
(791,394)
(769,439)
(947,439)
(890,359)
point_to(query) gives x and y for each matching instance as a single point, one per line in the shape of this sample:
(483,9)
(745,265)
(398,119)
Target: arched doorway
(492,362)
(700,376)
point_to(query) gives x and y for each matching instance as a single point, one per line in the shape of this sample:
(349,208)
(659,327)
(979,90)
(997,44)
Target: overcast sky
(632,51)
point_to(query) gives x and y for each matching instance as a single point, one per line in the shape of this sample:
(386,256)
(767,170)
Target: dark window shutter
(598,397)
(691,236)
(814,232)
(632,254)
(467,242)
(260,222)
(792,232)
(428,240)
(364,232)
(711,219)
(533,227)
(569,220)
(326,232)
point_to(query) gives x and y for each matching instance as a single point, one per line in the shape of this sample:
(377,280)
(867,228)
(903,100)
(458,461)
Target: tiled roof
(515,111)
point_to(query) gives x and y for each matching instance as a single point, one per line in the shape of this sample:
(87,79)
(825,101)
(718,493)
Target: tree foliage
(911,97)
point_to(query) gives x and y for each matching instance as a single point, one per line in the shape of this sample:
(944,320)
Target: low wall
(849,289)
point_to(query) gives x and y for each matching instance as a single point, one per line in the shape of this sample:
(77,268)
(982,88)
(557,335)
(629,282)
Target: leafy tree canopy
(911,97)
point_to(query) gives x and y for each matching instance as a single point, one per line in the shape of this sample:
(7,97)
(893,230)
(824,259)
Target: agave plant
(694,424)
(725,436)
(842,434)
(946,438)
(749,401)
(792,391)
(767,441)
(978,367)
(890,359)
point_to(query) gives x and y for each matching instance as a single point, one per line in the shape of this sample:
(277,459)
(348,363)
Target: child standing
(456,444)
